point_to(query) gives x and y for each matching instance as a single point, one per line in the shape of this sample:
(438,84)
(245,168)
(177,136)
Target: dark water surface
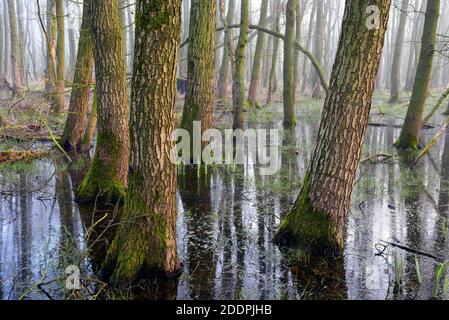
(227,220)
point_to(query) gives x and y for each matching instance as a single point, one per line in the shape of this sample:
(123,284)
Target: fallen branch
(381,155)
(437,106)
(432,142)
(14,156)
(421,253)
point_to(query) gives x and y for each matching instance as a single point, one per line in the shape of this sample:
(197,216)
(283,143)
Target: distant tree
(289,96)
(317,221)
(409,138)
(238,88)
(14,39)
(59,101)
(272,84)
(223,80)
(258,56)
(319,38)
(146,239)
(397,55)
(108,172)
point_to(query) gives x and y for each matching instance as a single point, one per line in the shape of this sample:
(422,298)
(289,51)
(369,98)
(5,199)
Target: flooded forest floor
(396,244)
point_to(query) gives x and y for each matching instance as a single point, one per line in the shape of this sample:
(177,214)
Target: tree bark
(238,88)
(146,240)
(317,221)
(59,98)
(272,84)
(200,96)
(223,80)
(318,48)
(409,138)
(108,172)
(397,56)
(79,101)
(258,56)
(289,100)
(14,39)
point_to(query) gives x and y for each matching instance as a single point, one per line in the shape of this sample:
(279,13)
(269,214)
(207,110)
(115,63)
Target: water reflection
(228,217)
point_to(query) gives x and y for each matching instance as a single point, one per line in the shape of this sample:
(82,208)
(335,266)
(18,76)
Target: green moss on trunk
(140,246)
(102,179)
(306,229)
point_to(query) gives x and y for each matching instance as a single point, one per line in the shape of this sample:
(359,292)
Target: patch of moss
(307,229)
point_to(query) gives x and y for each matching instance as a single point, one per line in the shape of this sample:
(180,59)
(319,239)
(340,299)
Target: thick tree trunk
(409,138)
(289,97)
(146,240)
(14,39)
(79,101)
(317,220)
(238,88)
(258,56)
(108,172)
(200,96)
(223,80)
(397,56)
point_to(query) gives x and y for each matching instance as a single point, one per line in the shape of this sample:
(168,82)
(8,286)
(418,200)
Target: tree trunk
(272,84)
(108,172)
(299,16)
(59,101)
(397,56)
(317,220)
(258,56)
(223,80)
(146,240)
(414,50)
(79,100)
(318,48)
(409,138)
(200,96)
(238,88)
(14,39)
(50,81)
(289,100)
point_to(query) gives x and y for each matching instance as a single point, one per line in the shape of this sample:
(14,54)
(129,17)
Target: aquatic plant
(398,268)
(441,269)
(418,270)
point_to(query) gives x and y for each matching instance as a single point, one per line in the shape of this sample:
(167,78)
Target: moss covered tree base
(140,249)
(407,142)
(308,231)
(106,178)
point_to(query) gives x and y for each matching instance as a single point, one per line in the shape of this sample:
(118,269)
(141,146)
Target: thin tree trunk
(223,80)
(14,40)
(409,138)
(146,240)
(318,48)
(317,221)
(79,101)
(59,102)
(272,85)
(397,56)
(238,88)
(289,96)
(108,172)
(258,56)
